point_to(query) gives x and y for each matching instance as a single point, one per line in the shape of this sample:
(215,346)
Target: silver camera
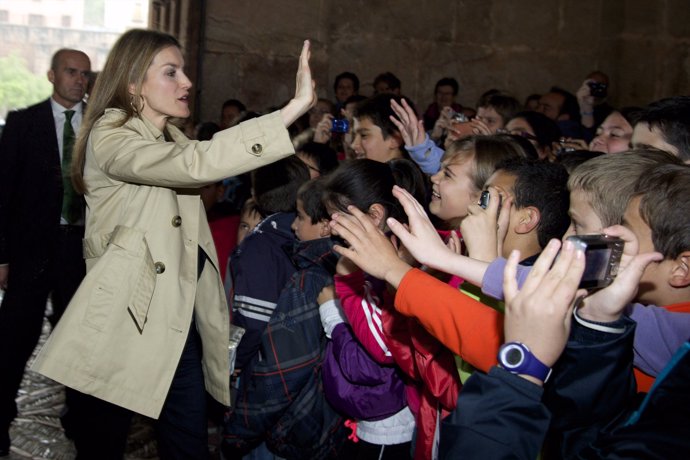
(602,257)
(458,117)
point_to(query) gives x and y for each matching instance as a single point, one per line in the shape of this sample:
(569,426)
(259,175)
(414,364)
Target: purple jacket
(355,384)
(658,335)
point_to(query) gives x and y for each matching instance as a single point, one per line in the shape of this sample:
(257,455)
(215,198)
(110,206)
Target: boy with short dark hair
(280,398)
(494,110)
(376,137)
(539,210)
(665,124)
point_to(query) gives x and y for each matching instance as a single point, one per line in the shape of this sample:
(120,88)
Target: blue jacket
(259,269)
(590,407)
(281,400)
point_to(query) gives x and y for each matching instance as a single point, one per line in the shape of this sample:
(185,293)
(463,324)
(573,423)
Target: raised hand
(369,248)
(305,89)
(540,313)
(480,229)
(322,132)
(411,128)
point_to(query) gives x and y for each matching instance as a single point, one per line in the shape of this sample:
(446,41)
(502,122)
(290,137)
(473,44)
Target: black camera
(340,125)
(597,89)
(602,257)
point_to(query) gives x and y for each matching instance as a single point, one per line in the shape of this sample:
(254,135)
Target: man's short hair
(448,81)
(504,105)
(665,207)
(609,180)
(234,103)
(349,76)
(55,60)
(671,116)
(389,79)
(544,186)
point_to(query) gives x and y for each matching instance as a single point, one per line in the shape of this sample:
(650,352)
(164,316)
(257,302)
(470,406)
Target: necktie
(70,201)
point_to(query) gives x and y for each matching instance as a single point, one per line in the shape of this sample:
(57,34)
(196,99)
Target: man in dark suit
(41,221)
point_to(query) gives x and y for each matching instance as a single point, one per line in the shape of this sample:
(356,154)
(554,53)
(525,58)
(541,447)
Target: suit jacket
(122,334)
(30,187)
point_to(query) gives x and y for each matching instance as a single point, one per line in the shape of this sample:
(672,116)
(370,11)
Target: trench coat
(123,333)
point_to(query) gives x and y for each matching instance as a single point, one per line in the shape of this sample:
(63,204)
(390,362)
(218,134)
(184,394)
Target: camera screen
(596,263)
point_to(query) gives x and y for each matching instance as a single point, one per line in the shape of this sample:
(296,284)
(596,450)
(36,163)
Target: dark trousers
(31,279)
(99,429)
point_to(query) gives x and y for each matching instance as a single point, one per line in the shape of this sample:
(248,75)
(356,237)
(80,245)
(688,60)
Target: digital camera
(458,117)
(597,89)
(602,257)
(340,125)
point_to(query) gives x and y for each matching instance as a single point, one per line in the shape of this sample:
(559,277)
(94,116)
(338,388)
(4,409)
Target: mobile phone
(486,197)
(602,258)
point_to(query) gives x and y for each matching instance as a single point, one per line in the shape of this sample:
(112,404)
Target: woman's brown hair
(127,63)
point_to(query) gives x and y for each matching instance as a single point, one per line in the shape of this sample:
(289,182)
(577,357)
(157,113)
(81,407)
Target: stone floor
(37,434)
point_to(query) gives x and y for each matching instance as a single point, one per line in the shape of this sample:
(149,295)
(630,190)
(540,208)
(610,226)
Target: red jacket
(433,383)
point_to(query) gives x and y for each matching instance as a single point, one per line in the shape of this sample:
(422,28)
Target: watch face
(514,356)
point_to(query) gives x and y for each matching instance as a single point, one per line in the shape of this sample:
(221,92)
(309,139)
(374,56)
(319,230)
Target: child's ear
(378,213)
(529,218)
(395,141)
(680,273)
(324,228)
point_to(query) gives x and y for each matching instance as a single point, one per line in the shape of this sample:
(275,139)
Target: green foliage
(18,86)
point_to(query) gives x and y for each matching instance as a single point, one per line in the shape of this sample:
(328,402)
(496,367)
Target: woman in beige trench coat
(152,293)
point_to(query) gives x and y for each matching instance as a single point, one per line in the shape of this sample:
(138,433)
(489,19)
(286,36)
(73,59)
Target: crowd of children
(380,317)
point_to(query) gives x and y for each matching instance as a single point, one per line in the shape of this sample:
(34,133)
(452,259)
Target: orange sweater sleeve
(468,328)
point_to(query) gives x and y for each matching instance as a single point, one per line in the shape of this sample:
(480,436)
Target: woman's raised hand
(305,90)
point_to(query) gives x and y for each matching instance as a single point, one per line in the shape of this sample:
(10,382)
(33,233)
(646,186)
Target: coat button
(160,267)
(176,221)
(257,149)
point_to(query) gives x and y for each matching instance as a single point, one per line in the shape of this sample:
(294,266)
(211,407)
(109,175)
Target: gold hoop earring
(136,103)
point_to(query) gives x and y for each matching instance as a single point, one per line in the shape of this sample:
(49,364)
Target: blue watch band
(516,358)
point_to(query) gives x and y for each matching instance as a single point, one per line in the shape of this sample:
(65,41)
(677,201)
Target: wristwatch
(516,358)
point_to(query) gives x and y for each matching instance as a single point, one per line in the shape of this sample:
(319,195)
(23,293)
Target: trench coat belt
(125,237)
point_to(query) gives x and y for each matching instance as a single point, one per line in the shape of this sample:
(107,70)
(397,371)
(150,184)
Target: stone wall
(249,48)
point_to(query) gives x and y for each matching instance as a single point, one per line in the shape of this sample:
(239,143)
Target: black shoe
(4,443)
